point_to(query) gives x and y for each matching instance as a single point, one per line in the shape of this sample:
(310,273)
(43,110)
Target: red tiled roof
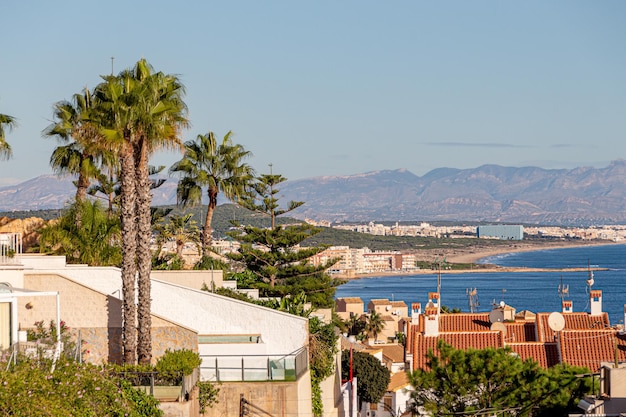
(398,304)
(464,322)
(545,354)
(520,331)
(459,340)
(589,348)
(573,321)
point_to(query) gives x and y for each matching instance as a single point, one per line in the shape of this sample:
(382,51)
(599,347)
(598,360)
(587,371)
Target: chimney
(567,306)
(431,321)
(433,297)
(595,301)
(416,310)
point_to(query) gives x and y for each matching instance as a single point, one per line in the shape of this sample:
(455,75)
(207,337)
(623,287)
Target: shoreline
(472,255)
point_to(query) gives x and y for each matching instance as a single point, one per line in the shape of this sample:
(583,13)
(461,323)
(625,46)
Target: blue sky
(340,87)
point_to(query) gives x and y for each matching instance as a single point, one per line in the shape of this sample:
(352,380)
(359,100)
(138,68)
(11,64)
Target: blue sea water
(534,291)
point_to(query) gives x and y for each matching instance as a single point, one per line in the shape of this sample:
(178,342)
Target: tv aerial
(472,299)
(590,279)
(563,290)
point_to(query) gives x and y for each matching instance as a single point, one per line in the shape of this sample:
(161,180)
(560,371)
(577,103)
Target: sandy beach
(471,255)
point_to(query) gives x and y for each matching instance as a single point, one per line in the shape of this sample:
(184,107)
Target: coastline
(473,254)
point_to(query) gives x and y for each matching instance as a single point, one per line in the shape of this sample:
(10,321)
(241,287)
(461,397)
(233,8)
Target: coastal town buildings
(614,233)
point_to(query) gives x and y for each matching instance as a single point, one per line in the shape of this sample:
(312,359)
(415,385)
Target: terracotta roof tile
(459,340)
(398,304)
(520,331)
(573,321)
(589,348)
(380,301)
(464,322)
(545,354)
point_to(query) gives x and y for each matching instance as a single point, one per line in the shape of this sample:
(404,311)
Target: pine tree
(274,254)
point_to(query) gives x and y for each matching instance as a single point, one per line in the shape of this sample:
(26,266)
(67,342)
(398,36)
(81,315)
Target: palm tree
(183,230)
(375,324)
(83,152)
(145,113)
(219,167)
(6,122)
(95,243)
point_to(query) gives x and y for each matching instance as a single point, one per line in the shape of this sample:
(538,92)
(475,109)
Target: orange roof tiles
(520,331)
(464,322)
(379,301)
(459,340)
(573,321)
(589,348)
(545,354)
(398,304)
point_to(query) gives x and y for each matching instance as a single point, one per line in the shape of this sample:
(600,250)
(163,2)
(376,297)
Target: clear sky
(340,87)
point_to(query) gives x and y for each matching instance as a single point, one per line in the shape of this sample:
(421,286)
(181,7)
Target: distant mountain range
(489,193)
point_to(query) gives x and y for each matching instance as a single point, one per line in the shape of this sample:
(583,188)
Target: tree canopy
(494,381)
(372,376)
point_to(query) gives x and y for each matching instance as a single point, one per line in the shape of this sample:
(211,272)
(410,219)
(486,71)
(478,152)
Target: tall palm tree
(83,152)
(145,113)
(217,165)
(6,123)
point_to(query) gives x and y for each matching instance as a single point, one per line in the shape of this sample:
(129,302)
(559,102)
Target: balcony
(238,368)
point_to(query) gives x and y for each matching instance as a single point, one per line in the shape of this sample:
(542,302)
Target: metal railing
(10,248)
(236,368)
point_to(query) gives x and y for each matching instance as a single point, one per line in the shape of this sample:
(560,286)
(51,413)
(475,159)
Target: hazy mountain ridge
(489,193)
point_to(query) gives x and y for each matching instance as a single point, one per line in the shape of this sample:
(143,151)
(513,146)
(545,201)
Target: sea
(533,291)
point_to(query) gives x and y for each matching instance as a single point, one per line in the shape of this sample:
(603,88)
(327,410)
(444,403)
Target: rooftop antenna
(563,290)
(472,298)
(112,59)
(590,280)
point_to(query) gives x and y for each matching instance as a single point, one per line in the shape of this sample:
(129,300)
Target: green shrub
(30,388)
(175,364)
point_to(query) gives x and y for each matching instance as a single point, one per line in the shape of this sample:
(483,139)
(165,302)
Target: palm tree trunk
(129,259)
(144,256)
(207,230)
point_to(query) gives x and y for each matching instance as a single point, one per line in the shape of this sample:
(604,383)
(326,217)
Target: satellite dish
(502,304)
(556,321)
(388,308)
(496,316)
(500,327)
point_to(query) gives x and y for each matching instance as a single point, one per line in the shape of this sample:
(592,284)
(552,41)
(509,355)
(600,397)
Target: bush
(30,388)
(175,364)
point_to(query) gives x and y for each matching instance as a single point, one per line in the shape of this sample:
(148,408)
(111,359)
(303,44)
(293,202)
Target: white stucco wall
(204,312)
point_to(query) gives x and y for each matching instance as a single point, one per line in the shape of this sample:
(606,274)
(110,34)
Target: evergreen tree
(283,267)
(493,381)
(372,376)
(274,255)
